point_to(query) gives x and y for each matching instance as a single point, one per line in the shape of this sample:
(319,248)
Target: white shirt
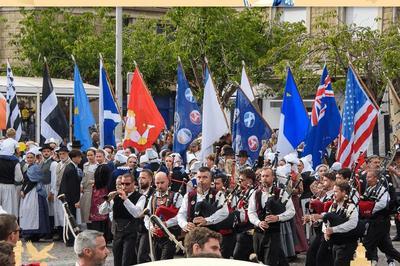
(134,209)
(285,216)
(345,227)
(215,218)
(171,222)
(53,176)
(18,177)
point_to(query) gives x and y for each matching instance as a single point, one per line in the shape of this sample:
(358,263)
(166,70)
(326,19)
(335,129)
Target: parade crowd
(270,210)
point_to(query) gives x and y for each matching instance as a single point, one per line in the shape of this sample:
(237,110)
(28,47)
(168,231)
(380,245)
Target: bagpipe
(206,208)
(69,220)
(276,204)
(317,206)
(165,212)
(334,217)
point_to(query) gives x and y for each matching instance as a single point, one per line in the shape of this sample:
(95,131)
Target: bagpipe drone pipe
(206,208)
(275,203)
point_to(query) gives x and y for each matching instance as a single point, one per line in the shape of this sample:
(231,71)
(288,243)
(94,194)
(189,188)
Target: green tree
(226,36)
(57,33)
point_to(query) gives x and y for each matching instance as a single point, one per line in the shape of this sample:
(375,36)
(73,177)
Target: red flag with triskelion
(144,122)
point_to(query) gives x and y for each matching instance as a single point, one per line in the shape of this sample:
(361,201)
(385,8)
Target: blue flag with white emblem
(187,114)
(249,127)
(294,121)
(325,121)
(109,116)
(83,116)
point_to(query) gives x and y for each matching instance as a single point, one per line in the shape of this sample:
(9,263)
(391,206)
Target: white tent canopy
(32,86)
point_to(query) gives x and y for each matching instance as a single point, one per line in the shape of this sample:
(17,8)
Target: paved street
(65,255)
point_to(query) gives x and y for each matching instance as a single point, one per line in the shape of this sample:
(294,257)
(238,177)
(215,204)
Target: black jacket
(70,184)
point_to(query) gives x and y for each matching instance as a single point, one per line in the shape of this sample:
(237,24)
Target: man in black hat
(70,186)
(49,166)
(76,145)
(242,162)
(228,158)
(62,152)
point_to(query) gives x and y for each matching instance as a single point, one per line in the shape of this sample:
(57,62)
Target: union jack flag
(319,108)
(325,121)
(359,118)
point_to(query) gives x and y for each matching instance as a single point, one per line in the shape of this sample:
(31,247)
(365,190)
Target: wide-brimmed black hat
(46,146)
(63,148)
(76,144)
(227,151)
(243,153)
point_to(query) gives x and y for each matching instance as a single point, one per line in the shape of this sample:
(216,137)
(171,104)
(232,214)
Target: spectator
(7,256)
(90,247)
(202,242)
(9,228)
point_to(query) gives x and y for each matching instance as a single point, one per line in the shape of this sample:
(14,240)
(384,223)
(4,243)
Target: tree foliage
(56,34)
(226,36)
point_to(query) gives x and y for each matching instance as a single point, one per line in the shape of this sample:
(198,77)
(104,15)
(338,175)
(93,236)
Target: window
(362,16)
(294,14)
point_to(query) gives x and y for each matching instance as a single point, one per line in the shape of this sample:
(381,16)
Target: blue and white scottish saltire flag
(187,114)
(214,124)
(109,116)
(294,121)
(83,116)
(249,127)
(325,120)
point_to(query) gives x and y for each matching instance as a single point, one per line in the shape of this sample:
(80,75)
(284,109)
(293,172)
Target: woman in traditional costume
(34,211)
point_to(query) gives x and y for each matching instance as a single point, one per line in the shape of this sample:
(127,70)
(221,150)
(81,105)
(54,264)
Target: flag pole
(216,94)
(195,74)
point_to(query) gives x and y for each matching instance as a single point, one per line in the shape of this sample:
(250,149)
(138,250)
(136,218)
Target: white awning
(30,86)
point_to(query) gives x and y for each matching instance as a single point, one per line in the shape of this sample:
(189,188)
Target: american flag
(359,118)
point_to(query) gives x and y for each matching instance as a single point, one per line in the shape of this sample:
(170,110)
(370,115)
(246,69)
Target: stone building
(12,17)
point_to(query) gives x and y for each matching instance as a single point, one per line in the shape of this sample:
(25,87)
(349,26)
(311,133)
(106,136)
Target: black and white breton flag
(13,114)
(380,143)
(53,123)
